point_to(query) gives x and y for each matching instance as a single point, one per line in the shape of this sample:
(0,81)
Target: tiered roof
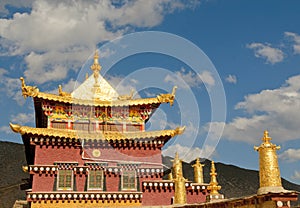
(106,135)
(95,91)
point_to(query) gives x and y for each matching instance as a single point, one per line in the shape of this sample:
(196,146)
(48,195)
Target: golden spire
(269,173)
(25,168)
(170,176)
(266,137)
(177,166)
(179,180)
(96,68)
(198,171)
(213,185)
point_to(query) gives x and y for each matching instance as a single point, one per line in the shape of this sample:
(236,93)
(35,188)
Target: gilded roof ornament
(198,171)
(168,98)
(269,173)
(180,189)
(177,166)
(15,127)
(266,137)
(213,185)
(126,97)
(266,142)
(96,68)
(28,90)
(179,180)
(62,93)
(25,168)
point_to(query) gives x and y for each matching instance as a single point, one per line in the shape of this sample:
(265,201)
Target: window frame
(135,180)
(102,180)
(65,178)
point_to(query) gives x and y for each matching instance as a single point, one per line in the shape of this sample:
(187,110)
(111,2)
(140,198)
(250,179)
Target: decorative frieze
(150,171)
(158,184)
(170,184)
(48,141)
(40,196)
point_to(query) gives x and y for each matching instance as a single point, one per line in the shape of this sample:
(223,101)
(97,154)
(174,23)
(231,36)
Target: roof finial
(198,171)
(214,186)
(269,173)
(266,137)
(96,68)
(177,166)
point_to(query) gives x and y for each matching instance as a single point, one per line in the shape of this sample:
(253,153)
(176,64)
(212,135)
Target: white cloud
(296,39)
(185,80)
(290,155)
(11,87)
(158,121)
(6,129)
(2,72)
(296,175)
(272,55)
(22,118)
(150,94)
(231,79)
(187,154)
(66,87)
(275,110)
(57,36)
(124,85)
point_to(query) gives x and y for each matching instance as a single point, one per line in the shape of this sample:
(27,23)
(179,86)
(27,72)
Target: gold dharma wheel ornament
(96,153)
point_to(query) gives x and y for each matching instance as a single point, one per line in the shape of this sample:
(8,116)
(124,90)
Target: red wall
(48,155)
(126,154)
(159,196)
(196,196)
(42,182)
(112,182)
(163,196)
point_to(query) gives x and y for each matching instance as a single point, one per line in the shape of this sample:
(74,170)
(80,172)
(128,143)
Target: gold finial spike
(25,168)
(180,190)
(170,176)
(213,185)
(86,76)
(176,156)
(59,89)
(177,166)
(179,180)
(266,137)
(96,68)
(15,127)
(269,173)
(62,93)
(198,171)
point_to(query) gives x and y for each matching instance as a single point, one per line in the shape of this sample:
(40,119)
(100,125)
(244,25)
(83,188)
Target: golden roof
(95,91)
(162,98)
(33,91)
(108,135)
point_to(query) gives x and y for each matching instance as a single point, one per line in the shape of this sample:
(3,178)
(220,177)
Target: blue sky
(253,45)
